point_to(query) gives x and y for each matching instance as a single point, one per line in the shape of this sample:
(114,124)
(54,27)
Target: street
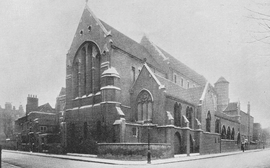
(258,159)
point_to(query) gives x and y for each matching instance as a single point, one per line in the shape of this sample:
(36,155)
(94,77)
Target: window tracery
(144,106)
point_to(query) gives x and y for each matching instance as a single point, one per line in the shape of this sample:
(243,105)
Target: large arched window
(208,122)
(86,70)
(177,114)
(217,126)
(223,132)
(144,106)
(228,132)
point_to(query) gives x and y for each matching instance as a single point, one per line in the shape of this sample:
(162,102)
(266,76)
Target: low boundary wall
(134,151)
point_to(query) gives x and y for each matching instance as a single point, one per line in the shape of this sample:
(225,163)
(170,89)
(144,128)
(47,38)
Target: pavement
(95,159)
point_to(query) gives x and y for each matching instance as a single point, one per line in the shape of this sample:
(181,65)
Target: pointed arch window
(223,132)
(86,70)
(177,114)
(189,114)
(144,106)
(228,132)
(217,126)
(232,135)
(208,122)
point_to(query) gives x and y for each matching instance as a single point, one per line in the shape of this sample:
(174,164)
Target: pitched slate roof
(231,107)
(45,108)
(130,46)
(62,92)
(227,117)
(191,95)
(168,60)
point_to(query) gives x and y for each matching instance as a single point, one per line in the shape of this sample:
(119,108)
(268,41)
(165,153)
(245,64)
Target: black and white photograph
(134,83)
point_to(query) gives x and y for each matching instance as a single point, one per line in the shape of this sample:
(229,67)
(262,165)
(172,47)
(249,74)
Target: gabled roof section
(145,66)
(46,108)
(62,92)
(169,61)
(231,107)
(191,95)
(97,20)
(130,46)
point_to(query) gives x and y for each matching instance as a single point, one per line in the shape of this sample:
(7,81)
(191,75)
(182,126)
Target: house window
(134,132)
(43,128)
(188,84)
(144,106)
(174,78)
(182,82)
(208,122)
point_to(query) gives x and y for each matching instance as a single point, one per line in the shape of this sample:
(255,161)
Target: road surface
(258,159)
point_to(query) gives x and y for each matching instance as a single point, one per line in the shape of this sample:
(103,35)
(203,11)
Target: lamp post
(149,151)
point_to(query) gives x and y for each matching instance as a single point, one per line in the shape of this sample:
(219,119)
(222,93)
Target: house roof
(191,95)
(130,46)
(62,92)
(169,61)
(227,117)
(45,108)
(231,107)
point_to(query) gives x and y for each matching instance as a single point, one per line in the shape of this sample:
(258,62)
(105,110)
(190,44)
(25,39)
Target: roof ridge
(97,20)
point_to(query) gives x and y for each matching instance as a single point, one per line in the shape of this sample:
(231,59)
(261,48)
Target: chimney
(32,104)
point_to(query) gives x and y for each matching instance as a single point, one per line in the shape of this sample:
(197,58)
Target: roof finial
(86,1)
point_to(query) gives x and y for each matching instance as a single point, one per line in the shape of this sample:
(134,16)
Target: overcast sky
(215,38)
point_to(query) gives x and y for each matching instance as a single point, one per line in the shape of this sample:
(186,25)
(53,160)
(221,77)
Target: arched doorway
(177,143)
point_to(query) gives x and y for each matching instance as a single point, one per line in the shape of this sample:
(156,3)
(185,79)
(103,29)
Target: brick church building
(119,90)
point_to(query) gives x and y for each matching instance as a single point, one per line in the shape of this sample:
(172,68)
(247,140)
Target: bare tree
(262,19)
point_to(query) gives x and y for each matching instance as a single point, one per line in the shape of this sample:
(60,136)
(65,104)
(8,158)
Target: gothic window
(144,106)
(177,114)
(228,133)
(86,70)
(232,135)
(208,122)
(217,126)
(189,114)
(223,132)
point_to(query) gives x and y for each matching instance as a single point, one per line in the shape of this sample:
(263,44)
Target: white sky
(212,37)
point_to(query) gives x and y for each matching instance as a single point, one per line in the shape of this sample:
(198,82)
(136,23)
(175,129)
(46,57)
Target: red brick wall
(210,143)
(134,151)
(229,145)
